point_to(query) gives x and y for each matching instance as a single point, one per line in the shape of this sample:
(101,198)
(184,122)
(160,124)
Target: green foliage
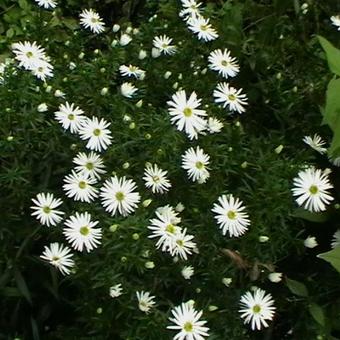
(333,257)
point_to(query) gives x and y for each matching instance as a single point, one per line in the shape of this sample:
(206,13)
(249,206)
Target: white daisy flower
(28,54)
(336,21)
(182,244)
(187,322)
(315,143)
(200,26)
(59,256)
(168,210)
(128,90)
(257,308)
(90,165)
(116,290)
(131,71)
(223,63)
(91,19)
(214,125)
(97,133)
(311,189)
(191,8)
(81,233)
(156,179)
(45,209)
(196,163)
(118,195)
(48,4)
(145,301)
(230,215)
(187,272)
(80,187)
(230,97)
(186,115)
(336,239)
(70,117)
(42,70)
(163,44)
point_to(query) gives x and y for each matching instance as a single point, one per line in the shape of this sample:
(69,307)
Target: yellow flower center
(29,54)
(257,309)
(231,215)
(224,63)
(199,165)
(84,230)
(180,243)
(204,27)
(94,20)
(187,112)
(156,179)
(89,166)
(46,210)
(82,185)
(313,189)
(188,327)
(70,116)
(55,258)
(120,196)
(170,228)
(96,132)
(231,97)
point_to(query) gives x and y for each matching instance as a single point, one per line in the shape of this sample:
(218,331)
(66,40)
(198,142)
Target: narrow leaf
(333,55)
(333,257)
(297,287)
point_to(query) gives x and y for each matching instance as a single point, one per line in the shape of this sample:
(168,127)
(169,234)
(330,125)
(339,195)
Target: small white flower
(336,21)
(28,54)
(80,231)
(188,324)
(70,117)
(310,242)
(275,277)
(257,308)
(336,239)
(58,93)
(96,133)
(131,71)
(128,90)
(223,63)
(45,209)
(91,19)
(214,125)
(142,54)
(315,143)
(163,44)
(191,8)
(156,179)
(89,165)
(230,216)
(311,189)
(80,187)
(42,107)
(125,39)
(116,290)
(42,70)
(196,163)
(187,272)
(46,3)
(118,195)
(227,281)
(186,115)
(59,256)
(145,301)
(115,28)
(201,26)
(182,244)
(230,97)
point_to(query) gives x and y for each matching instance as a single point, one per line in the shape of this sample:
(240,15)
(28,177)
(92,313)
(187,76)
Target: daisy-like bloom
(200,26)
(131,71)
(45,209)
(182,244)
(163,44)
(96,133)
(311,189)
(128,90)
(186,115)
(118,195)
(336,21)
(28,54)
(89,165)
(80,231)
(191,8)
(91,19)
(70,117)
(230,215)
(214,125)
(59,256)
(46,3)
(145,301)
(336,239)
(223,63)
(315,143)
(187,272)
(43,70)
(257,308)
(116,290)
(155,178)
(196,163)
(80,187)
(230,97)
(188,324)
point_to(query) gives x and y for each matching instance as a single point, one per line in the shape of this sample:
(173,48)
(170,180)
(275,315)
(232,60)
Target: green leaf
(317,313)
(333,55)
(22,286)
(312,217)
(333,257)
(297,287)
(332,109)
(23,4)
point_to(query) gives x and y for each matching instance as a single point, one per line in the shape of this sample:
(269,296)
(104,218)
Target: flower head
(257,308)
(214,125)
(145,301)
(156,179)
(223,63)
(70,117)
(315,143)
(91,19)
(42,70)
(89,164)
(116,290)
(131,71)
(196,163)
(28,54)
(336,21)
(163,44)
(128,90)
(46,3)
(201,26)
(187,272)
(182,244)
